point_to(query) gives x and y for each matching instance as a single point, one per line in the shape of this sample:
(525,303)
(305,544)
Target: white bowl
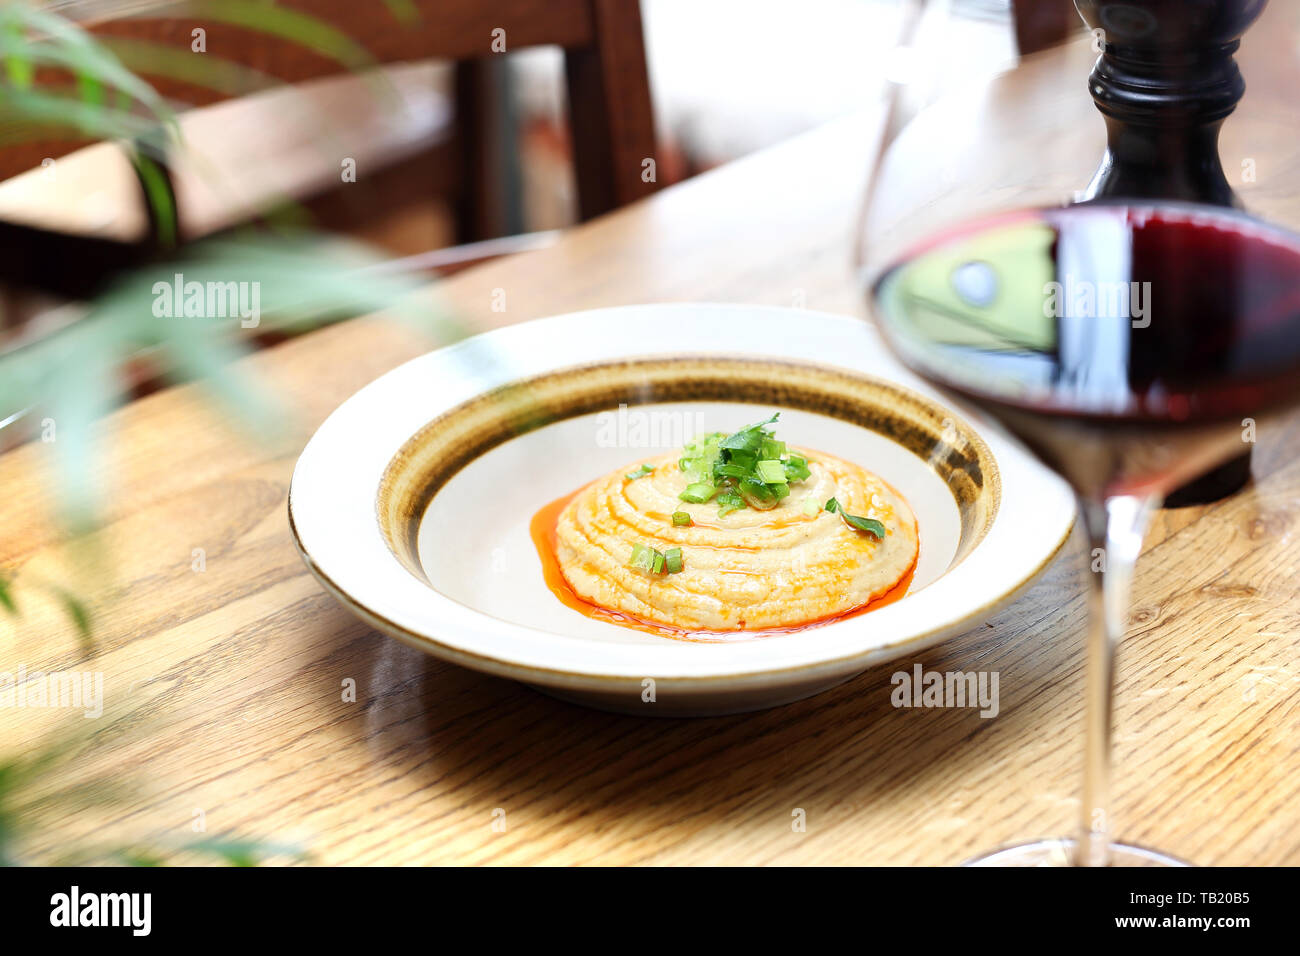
(412,501)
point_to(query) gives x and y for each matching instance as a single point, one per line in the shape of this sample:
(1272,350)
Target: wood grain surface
(223,687)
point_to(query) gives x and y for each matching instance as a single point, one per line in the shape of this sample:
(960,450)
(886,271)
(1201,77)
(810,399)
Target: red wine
(1132,345)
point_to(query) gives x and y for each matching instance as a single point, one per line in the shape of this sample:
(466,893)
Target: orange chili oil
(542,528)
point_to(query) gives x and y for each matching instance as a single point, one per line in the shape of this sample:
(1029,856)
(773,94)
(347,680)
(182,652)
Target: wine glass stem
(1115,529)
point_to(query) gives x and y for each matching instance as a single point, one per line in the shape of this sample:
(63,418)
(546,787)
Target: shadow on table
(556,772)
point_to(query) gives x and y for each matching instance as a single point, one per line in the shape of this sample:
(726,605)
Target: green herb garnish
(639,473)
(698,493)
(729,502)
(750,438)
(749,468)
(652,561)
(681,519)
(869,525)
(757,494)
(642,559)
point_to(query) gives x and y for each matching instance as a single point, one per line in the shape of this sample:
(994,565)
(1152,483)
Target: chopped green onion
(652,561)
(639,473)
(757,494)
(729,502)
(811,507)
(642,558)
(869,525)
(741,459)
(832,506)
(681,519)
(748,438)
(705,439)
(697,493)
(747,468)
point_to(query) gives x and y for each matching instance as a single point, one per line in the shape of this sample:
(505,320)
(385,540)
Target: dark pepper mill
(1165,82)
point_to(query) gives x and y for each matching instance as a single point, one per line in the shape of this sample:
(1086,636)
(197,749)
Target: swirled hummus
(789,563)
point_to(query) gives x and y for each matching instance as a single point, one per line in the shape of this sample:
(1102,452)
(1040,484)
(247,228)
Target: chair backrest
(1043,23)
(608,86)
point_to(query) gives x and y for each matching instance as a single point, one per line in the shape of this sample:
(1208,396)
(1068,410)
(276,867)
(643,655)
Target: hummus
(792,565)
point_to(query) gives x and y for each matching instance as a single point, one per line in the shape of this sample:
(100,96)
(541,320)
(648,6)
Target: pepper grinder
(1165,82)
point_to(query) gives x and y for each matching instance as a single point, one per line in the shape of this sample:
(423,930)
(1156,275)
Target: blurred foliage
(73,374)
(32,37)
(301,280)
(73,607)
(28,807)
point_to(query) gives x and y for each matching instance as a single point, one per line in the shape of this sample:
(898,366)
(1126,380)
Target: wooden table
(223,686)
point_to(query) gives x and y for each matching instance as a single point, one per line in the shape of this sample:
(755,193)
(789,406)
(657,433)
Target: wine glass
(1132,344)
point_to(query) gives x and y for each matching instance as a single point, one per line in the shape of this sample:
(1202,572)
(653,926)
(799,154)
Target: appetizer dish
(421,505)
(735,535)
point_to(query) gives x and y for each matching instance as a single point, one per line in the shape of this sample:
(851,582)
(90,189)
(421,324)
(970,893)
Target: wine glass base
(1061,853)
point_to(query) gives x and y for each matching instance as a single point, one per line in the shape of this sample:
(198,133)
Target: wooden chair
(609,97)
(1041,24)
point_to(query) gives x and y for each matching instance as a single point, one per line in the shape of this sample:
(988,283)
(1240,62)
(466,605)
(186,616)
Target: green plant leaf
(91,90)
(158,193)
(208,71)
(67,45)
(302,28)
(243,852)
(77,612)
(869,525)
(302,279)
(18,65)
(403,11)
(33,114)
(140,858)
(81,390)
